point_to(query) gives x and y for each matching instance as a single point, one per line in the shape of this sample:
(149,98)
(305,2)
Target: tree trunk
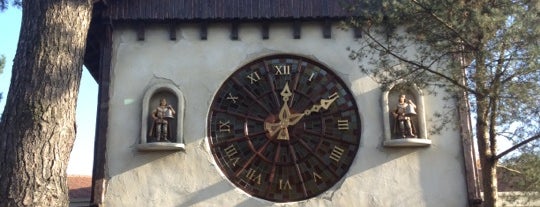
(38,123)
(486,155)
(489,183)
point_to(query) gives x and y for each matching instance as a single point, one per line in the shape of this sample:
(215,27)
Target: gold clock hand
(284,113)
(286,118)
(283,134)
(272,128)
(324,103)
(294,118)
(286,93)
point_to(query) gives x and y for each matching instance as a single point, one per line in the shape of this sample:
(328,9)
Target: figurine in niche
(404,112)
(162,115)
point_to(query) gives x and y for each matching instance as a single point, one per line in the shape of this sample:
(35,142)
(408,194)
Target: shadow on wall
(210,192)
(431,175)
(371,158)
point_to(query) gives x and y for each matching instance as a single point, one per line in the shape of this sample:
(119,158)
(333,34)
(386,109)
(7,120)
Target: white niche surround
(176,99)
(389,139)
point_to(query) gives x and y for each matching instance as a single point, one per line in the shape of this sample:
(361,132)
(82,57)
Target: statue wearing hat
(403,125)
(162,115)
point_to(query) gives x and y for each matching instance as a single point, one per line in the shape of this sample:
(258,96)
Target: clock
(284,128)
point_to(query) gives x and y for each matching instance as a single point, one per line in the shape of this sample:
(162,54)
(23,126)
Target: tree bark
(38,123)
(489,183)
(485,145)
(487,161)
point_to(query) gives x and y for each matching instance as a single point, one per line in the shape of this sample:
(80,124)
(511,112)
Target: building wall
(379,176)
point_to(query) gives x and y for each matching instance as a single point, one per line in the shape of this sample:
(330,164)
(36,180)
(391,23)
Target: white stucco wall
(379,176)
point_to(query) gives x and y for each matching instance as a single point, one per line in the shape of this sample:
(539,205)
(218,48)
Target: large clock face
(284,128)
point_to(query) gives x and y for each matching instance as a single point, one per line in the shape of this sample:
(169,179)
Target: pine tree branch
(389,51)
(502,154)
(444,23)
(509,169)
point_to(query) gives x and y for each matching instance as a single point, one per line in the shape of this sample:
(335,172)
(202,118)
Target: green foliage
(528,165)
(453,40)
(524,172)
(4,4)
(2,63)
(486,48)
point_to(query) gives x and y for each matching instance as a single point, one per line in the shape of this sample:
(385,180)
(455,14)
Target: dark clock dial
(284,128)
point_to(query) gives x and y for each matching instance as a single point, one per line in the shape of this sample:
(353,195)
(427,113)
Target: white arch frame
(152,146)
(422,139)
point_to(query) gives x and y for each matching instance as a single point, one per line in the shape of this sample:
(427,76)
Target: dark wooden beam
(357,33)
(204,31)
(172,31)
(234,31)
(327,29)
(265,30)
(102,117)
(140,31)
(472,176)
(297,29)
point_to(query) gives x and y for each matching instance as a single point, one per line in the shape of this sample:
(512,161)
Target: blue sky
(82,155)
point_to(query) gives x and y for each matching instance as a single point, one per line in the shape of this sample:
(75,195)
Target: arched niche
(393,136)
(151,100)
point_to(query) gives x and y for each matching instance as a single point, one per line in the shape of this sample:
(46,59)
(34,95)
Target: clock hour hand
(324,104)
(286,118)
(283,134)
(272,128)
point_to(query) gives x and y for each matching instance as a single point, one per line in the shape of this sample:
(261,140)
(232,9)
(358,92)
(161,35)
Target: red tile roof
(80,186)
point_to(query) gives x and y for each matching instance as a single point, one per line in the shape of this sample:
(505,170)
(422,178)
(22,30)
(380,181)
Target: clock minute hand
(284,119)
(284,113)
(285,94)
(272,128)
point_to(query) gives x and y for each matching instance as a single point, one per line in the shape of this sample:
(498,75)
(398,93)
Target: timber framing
(102,119)
(172,31)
